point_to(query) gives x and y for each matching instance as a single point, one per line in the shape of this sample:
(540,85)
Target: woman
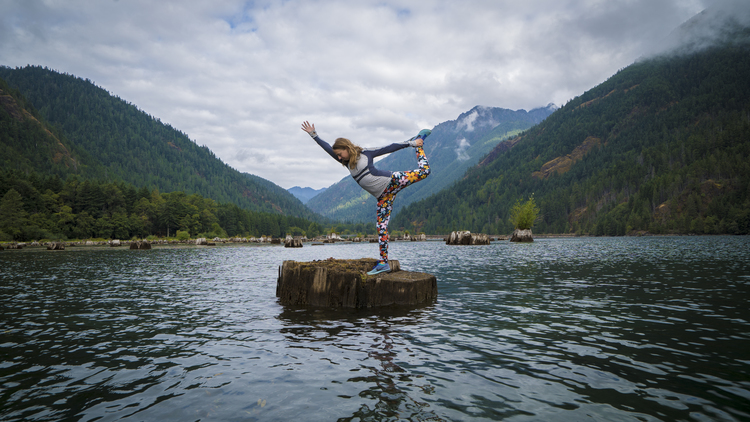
(383,185)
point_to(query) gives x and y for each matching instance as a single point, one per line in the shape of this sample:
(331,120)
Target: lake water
(615,329)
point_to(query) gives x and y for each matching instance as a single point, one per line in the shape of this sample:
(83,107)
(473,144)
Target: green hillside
(452,148)
(48,190)
(113,140)
(663,146)
(28,143)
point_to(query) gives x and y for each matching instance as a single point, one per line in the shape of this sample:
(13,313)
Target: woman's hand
(307,127)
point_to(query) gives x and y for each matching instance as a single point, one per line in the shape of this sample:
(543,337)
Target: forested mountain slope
(28,143)
(663,146)
(452,148)
(114,140)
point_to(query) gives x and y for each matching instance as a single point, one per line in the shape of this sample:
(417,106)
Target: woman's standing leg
(399,180)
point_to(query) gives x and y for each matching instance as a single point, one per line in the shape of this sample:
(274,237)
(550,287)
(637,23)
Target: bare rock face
(138,244)
(114,243)
(467,238)
(522,236)
(201,241)
(343,283)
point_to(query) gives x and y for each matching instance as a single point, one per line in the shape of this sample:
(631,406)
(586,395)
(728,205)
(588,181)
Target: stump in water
(467,238)
(140,245)
(56,246)
(522,236)
(293,243)
(343,283)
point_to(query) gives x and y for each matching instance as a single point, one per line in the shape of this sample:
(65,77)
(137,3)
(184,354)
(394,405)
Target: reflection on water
(564,329)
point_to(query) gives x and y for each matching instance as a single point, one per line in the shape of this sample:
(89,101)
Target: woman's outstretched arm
(310,129)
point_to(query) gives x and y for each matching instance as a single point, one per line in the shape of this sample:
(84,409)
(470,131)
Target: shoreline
(192,243)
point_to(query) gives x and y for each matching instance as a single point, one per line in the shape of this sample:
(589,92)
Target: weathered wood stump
(138,244)
(467,238)
(293,243)
(201,241)
(56,246)
(522,236)
(343,283)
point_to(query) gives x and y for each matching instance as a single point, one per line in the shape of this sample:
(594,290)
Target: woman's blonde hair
(354,151)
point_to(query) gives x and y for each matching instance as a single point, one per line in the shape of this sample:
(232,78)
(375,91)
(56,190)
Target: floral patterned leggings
(399,180)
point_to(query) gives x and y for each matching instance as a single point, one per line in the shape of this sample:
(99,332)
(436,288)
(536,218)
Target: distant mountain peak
(305,194)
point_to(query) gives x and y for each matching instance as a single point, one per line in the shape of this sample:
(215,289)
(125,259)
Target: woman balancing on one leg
(383,185)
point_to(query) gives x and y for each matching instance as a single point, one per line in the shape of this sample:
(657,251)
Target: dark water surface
(559,330)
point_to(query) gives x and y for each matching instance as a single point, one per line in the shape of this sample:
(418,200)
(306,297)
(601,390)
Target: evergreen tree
(12,215)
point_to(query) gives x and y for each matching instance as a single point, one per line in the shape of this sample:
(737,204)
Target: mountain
(451,149)
(305,194)
(663,146)
(105,138)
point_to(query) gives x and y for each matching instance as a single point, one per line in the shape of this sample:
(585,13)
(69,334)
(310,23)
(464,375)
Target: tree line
(34,206)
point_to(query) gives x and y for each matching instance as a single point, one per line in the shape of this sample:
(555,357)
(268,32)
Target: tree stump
(522,236)
(56,246)
(293,243)
(138,244)
(343,283)
(467,238)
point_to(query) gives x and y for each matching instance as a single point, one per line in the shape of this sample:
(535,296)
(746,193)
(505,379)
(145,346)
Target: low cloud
(463,145)
(467,123)
(717,24)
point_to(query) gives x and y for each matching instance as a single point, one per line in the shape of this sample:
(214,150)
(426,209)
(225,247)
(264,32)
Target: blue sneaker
(423,134)
(381,267)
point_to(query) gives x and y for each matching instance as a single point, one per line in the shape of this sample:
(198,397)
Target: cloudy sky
(241,76)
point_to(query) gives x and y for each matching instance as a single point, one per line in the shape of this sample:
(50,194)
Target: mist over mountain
(725,21)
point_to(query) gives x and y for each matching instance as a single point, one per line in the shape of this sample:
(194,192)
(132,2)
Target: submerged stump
(343,283)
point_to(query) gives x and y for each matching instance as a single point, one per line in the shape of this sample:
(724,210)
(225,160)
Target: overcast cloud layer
(241,76)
